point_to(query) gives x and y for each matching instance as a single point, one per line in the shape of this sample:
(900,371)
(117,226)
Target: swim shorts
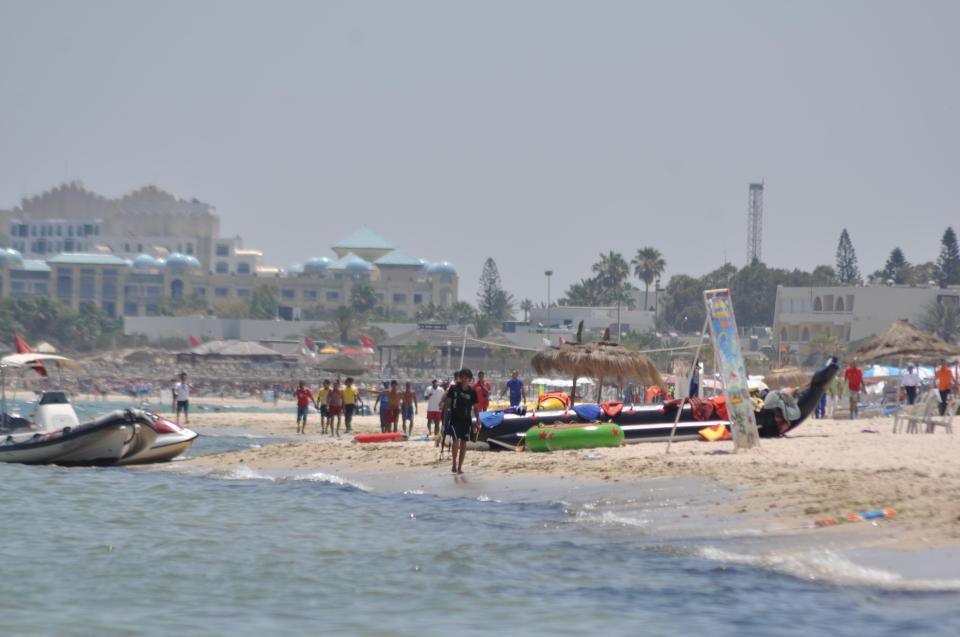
(392,415)
(408,412)
(334,411)
(458,430)
(433,416)
(183,406)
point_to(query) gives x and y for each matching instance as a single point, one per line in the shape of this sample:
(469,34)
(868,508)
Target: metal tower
(754,222)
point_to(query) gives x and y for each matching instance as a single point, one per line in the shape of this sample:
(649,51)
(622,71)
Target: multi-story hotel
(126,255)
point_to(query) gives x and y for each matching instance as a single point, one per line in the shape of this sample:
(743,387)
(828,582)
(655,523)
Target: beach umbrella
(786,377)
(904,340)
(598,359)
(340,364)
(328,350)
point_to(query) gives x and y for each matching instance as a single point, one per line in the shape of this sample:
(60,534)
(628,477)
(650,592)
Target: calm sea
(114,551)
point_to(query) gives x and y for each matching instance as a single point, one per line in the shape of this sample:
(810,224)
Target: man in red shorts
(482,387)
(434,398)
(335,405)
(393,406)
(853,375)
(304,396)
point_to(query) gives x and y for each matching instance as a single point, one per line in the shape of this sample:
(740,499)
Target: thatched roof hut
(903,339)
(786,377)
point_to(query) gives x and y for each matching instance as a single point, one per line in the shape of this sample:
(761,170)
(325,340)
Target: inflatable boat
(650,423)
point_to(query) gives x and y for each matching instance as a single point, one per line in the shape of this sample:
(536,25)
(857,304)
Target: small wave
(486,498)
(238,473)
(415,492)
(828,566)
(610,518)
(330,478)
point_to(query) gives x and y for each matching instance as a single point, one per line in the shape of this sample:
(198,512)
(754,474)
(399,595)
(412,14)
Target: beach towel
(588,412)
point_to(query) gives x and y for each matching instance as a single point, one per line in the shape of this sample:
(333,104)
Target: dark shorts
(408,412)
(302,412)
(348,410)
(183,406)
(458,430)
(324,411)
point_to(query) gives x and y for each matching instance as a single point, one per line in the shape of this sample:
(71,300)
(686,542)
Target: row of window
(54,230)
(42,246)
(222,267)
(795,333)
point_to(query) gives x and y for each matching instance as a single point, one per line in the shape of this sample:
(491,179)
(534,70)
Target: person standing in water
(181,393)
(462,405)
(304,397)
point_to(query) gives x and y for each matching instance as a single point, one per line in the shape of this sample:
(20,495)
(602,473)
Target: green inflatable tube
(554,437)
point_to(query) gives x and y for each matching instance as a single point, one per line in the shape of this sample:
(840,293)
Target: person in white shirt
(181,393)
(434,397)
(910,382)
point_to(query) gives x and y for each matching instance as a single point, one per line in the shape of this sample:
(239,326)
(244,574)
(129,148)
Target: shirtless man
(408,407)
(393,406)
(434,395)
(335,405)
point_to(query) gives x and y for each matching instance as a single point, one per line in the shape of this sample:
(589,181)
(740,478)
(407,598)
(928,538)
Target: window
(222,267)
(399,298)
(151,309)
(805,335)
(41,287)
(243,293)
(288,294)
(817,305)
(333,296)
(200,292)
(139,247)
(243,268)
(19,289)
(189,248)
(838,306)
(309,295)
(223,250)
(131,290)
(109,308)
(59,231)
(154,291)
(108,289)
(221,293)
(418,299)
(129,309)
(88,285)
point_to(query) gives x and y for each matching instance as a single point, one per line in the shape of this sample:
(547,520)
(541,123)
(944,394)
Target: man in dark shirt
(462,405)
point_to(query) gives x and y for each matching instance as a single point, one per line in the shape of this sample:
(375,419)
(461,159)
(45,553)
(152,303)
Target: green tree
(896,267)
(526,306)
(492,299)
(346,322)
(648,265)
(611,271)
(460,312)
(583,293)
(823,275)
(239,309)
(949,259)
(263,302)
(942,319)
(848,272)
(363,298)
(188,306)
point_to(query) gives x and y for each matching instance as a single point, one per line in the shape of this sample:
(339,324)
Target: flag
(366,341)
(309,342)
(24,348)
(194,341)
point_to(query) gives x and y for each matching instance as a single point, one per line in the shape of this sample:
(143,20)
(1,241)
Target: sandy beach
(826,468)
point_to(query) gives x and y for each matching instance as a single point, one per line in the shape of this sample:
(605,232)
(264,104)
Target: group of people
(336,403)
(852,384)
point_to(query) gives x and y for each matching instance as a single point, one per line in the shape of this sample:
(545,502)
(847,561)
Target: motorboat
(651,423)
(55,435)
(171,441)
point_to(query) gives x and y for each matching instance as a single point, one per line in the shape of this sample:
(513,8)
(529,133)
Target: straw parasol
(786,377)
(598,359)
(903,339)
(340,364)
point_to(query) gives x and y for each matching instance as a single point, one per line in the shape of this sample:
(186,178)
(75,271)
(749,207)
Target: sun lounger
(946,420)
(915,414)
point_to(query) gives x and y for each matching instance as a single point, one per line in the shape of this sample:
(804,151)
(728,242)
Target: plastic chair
(946,420)
(919,412)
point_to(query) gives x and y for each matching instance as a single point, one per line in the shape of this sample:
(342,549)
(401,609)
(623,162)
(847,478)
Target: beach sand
(825,468)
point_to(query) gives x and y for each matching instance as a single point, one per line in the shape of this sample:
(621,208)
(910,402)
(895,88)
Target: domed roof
(442,267)
(146,262)
(317,264)
(296,268)
(179,262)
(352,263)
(9,255)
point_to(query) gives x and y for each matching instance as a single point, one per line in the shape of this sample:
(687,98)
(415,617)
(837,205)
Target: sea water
(114,551)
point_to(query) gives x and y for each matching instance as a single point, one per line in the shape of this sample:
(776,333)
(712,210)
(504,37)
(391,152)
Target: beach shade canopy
(904,340)
(16,360)
(340,364)
(786,377)
(597,359)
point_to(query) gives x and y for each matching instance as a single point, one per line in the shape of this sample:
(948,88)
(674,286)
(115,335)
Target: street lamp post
(549,274)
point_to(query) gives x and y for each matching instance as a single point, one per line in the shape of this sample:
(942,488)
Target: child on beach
(462,404)
(408,407)
(335,405)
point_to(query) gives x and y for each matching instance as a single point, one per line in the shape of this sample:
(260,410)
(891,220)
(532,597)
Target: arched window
(817,305)
(222,267)
(243,268)
(838,305)
(176,289)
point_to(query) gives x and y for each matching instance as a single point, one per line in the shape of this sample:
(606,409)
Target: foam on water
(330,478)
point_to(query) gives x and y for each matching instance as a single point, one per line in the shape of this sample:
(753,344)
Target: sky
(538,133)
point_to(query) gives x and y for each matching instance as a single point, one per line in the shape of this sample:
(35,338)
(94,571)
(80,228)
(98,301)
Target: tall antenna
(755,223)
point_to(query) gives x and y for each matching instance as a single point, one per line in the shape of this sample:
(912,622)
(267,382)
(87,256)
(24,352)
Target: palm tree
(648,265)
(612,271)
(526,305)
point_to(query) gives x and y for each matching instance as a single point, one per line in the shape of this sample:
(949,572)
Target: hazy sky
(538,133)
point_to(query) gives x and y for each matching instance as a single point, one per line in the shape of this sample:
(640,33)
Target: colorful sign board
(723,331)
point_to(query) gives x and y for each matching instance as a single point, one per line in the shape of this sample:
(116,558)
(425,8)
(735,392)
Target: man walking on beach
(910,382)
(462,403)
(349,402)
(516,389)
(434,396)
(854,378)
(445,409)
(181,392)
(383,400)
(408,407)
(304,397)
(393,406)
(482,387)
(321,404)
(945,384)
(335,405)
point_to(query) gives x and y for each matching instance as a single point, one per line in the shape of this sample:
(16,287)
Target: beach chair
(918,413)
(946,420)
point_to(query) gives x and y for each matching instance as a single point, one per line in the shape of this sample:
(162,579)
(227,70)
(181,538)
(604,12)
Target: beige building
(802,315)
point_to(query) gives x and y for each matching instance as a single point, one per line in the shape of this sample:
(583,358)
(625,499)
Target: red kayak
(395,436)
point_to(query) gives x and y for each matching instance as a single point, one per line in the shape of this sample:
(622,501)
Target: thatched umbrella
(598,359)
(340,364)
(786,377)
(903,339)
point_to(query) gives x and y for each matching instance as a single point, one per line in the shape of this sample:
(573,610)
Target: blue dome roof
(317,264)
(9,255)
(177,262)
(146,262)
(442,267)
(352,263)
